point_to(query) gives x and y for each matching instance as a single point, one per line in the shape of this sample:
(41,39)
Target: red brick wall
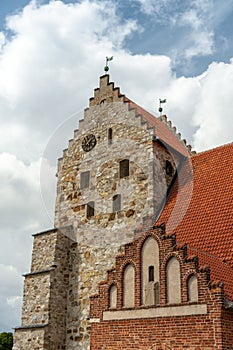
(227,329)
(195,332)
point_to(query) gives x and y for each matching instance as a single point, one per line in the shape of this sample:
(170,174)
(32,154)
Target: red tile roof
(200,208)
(165,134)
(200,211)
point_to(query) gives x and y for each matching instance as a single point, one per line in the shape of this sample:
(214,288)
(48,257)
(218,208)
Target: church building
(141,253)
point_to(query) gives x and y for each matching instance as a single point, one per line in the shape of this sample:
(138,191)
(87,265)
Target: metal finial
(160,107)
(106,68)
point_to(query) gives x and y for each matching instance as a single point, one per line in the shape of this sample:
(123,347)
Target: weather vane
(106,68)
(160,107)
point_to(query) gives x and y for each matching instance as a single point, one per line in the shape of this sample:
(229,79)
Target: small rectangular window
(90,209)
(84,180)
(151,273)
(110,136)
(124,168)
(116,204)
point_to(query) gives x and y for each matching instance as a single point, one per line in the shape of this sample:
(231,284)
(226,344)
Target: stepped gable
(207,224)
(164,131)
(168,248)
(220,272)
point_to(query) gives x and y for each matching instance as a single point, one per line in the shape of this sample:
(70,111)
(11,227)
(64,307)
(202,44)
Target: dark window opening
(90,209)
(110,136)
(169,168)
(84,179)
(116,204)
(102,102)
(151,273)
(124,168)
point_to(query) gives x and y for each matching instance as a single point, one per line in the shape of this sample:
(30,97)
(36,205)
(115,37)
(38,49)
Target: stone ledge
(170,311)
(32,326)
(52,230)
(39,272)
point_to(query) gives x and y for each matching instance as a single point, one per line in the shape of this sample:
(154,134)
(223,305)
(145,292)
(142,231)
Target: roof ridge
(166,122)
(212,149)
(173,128)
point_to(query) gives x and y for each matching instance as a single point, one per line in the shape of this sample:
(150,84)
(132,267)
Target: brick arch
(128,285)
(146,236)
(150,258)
(192,287)
(112,299)
(173,280)
(127,262)
(170,255)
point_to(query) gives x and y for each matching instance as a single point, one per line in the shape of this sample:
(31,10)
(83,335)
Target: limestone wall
(45,294)
(36,299)
(43,250)
(100,237)
(69,261)
(33,339)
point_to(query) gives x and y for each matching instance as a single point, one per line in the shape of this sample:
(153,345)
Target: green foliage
(6,341)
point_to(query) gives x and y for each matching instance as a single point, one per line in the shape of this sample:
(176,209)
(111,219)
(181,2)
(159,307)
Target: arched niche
(150,271)
(113,297)
(129,286)
(173,281)
(192,285)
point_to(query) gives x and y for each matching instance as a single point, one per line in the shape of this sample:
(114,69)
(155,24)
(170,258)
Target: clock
(88,142)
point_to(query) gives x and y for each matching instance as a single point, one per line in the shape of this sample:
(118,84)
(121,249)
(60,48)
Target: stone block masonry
(100,237)
(45,294)
(67,264)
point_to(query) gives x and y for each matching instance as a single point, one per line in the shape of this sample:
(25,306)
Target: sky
(52,54)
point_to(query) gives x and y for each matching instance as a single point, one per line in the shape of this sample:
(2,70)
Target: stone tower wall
(100,238)
(45,294)
(69,261)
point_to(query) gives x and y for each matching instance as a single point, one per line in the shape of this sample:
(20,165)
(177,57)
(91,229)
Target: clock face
(88,142)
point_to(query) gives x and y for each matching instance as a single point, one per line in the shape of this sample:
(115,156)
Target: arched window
(124,168)
(129,286)
(173,281)
(150,270)
(116,203)
(192,288)
(110,136)
(113,297)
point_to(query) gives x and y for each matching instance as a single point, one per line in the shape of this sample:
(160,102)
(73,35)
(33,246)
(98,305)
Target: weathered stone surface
(45,294)
(63,293)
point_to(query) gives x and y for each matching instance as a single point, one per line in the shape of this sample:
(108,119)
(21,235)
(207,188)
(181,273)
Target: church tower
(113,181)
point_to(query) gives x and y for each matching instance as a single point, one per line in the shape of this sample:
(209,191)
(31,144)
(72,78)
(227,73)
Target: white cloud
(213,114)
(21,214)
(59,48)
(200,41)
(194,17)
(10,295)
(48,69)
(2,40)
(155,7)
